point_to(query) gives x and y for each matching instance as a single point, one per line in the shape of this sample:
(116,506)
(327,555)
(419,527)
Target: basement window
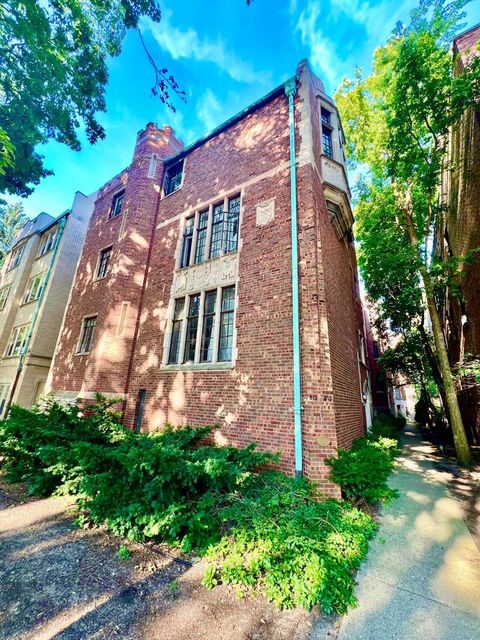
(173,178)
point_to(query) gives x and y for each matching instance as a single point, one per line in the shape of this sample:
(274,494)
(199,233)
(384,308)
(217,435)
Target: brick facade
(457,234)
(250,398)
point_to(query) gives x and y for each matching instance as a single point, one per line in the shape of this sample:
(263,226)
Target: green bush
(362,471)
(261,531)
(289,546)
(387,427)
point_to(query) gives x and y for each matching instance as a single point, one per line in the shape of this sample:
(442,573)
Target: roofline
(230,122)
(460,35)
(48,226)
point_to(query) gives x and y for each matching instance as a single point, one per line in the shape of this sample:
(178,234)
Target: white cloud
(321,48)
(189,45)
(209,110)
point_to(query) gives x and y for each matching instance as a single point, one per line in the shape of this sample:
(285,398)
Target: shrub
(387,427)
(289,546)
(261,531)
(362,472)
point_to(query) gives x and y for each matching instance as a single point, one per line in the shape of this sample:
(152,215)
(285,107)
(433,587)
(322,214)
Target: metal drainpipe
(23,353)
(291,90)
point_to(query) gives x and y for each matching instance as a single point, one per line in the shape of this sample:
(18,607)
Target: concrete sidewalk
(421,579)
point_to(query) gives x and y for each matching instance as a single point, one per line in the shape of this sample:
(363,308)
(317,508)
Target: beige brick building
(35,284)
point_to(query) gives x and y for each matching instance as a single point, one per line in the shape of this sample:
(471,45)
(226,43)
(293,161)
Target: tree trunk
(437,376)
(460,439)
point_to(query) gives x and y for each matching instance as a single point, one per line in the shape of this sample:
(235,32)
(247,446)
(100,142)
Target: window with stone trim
(117,204)
(202,328)
(4,293)
(34,288)
(211,232)
(87,334)
(173,178)
(47,242)
(327,130)
(18,340)
(104,262)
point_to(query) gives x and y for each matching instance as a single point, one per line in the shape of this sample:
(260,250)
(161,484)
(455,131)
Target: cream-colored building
(35,283)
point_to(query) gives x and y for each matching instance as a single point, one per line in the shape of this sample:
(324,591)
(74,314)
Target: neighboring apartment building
(457,234)
(183,303)
(35,283)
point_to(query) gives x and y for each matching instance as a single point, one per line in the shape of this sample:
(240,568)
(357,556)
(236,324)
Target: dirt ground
(63,583)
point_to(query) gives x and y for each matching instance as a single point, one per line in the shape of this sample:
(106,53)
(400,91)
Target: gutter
(23,353)
(290,91)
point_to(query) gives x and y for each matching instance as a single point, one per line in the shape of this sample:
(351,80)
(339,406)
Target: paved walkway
(422,576)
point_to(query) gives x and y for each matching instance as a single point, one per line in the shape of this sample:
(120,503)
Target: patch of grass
(174,587)
(124,553)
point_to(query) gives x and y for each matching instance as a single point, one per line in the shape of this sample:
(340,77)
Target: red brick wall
(105,368)
(252,401)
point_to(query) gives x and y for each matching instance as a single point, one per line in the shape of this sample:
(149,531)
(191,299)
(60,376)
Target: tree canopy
(12,219)
(397,121)
(53,73)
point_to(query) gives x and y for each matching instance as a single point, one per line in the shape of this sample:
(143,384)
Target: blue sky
(225,55)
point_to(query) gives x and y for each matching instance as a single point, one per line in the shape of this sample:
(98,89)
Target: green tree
(12,219)
(53,75)
(397,121)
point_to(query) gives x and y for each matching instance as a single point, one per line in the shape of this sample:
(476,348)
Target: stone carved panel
(206,275)
(265,212)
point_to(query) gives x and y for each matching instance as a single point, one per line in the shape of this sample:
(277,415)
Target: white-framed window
(34,288)
(212,232)
(18,340)
(104,262)
(87,334)
(4,293)
(202,327)
(16,257)
(47,242)
(4,391)
(361,348)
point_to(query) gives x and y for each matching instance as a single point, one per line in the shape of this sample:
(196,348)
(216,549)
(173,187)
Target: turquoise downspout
(21,359)
(291,90)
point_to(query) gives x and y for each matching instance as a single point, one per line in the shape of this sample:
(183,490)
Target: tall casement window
(18,340)
(117,204)
(16,257)
(34,288)
(173,178)
(327,129)
(86,335)
(209,331)
(47,242)
(206,351)
(187,242)
(104,262)
(201,236)
(176,331)
(4,297)
(211,232)
(226,325)
(192,328)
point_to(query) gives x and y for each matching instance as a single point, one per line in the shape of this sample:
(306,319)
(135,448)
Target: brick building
(182,304)
(457,234)
(35,282)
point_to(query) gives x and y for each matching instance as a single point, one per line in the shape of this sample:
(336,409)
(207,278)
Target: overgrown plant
(261,531)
